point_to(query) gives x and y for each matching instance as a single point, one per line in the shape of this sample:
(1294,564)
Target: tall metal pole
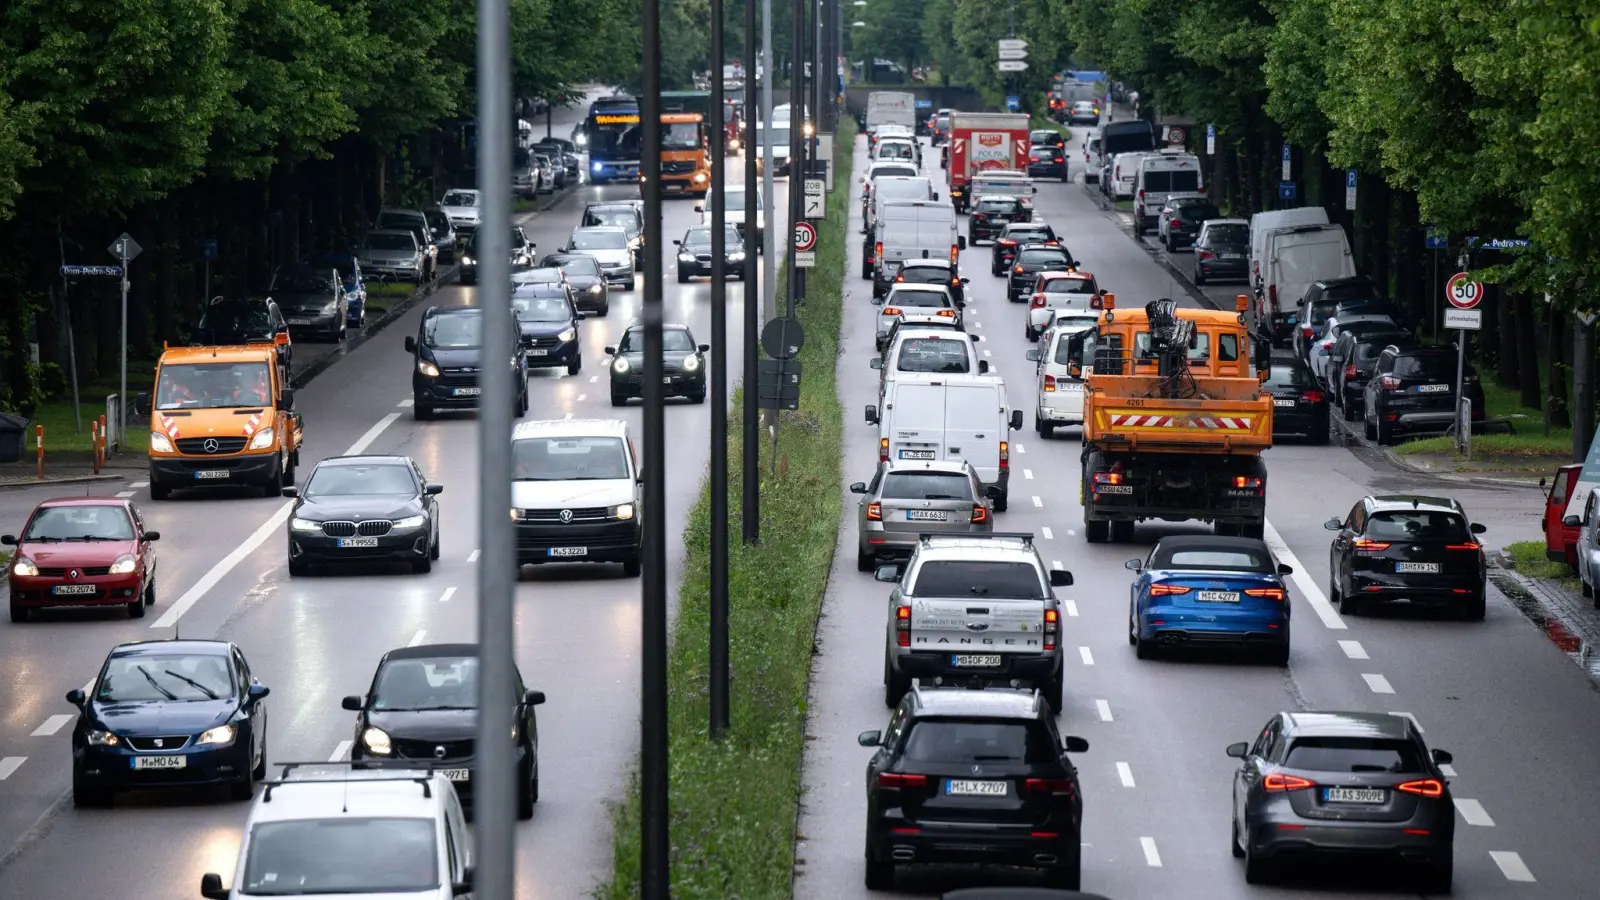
(719,390)
(750,513)
(122,383)
(797,142)
(654,862)
(769,271)
(495,875)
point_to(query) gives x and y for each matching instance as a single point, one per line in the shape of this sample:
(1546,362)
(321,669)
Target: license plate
(1420,568)
(666,379)
(1353,795)
(456,774)
(1432,388)
(975,661)
(538,352)
(1216,596)
(971,788)
(299,321)
(73,590)
(569,551)
(926,515)
(1229,256)
(1283,403)
(358,542)
(1113,489)
(916,454)
(160,762)
(465,392)
(1070,386)
(211,473)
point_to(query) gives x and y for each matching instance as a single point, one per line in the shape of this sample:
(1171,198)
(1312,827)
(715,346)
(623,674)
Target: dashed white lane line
(986,353)
(1028,474)
(472,557)
(1302,579)
(340,752)
(1020,449)
(1353,649)
(1056,564)
(448,593)
(1125,772)
(582,397)
(407,403)
(1152,857)
(977,324)
(1048,534)
(1511,865)
(1104,709)
(52,725)
(1473,813)
(1087,654)
(1447,770)
(1413,719)
(1038,503)
(9,765)
(1378,683)
(138,484)
(123,495)
(593,378)
(1072,607)
(418,637)
(567,416)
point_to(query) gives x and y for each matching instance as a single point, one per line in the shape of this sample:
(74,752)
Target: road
(314,640)
(1519,717)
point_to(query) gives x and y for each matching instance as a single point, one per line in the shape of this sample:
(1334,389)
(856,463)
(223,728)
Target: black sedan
(1222,251)
(521,254)
(312,300)
(683,365)
(444,233)
(991,215)
(1342,784)
(694,254)
(1015,235)
(1046,161)
(588,281)
(934,271)
(364,509)
(1300,406)
(423,705)
(171,713)
(1030,261)
(1407,547)
(549,322)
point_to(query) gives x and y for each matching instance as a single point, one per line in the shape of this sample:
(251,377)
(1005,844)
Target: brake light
(1390,383)
(1246,481)
(1364,545)
(1141,196)
(1005,454)
(1038,301)
(1469,545)
(897,781)
(883,449)
(877,250)
(1350,371)
(1006,243)
(1060,787)
(1272,295)
(947,313)
(891,310)
(1307,330)
(281,339)
(1276,782)
(1167,590)
(902,626)
(955,282)
(1176,222)
(1204,254)
(1313,397)
(1049,384)
(1107,478)
(979,217)
(1017,269)
(1052,627)
(900,278)
(874,512)
(1426,787)
(1096,303)
(1266,593)
(980,514)
(1060,159)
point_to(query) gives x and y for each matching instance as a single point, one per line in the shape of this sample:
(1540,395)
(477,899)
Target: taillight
(980,514)
(1275,782)
(1060,159)
(1049,384)
(1006,243)
(955,253)
(1266,593)
(1005,454)
(1313,397)
(955,282)
(1307,330)
(1038,301)
(874,512)
(1017,269)
(1246,482)
(1167,590)
(1425,787)
(900,278)
(902,626)
(877,250)
(883,449)
(946,313)
(1060,787)
(1390,383)
(1469,545)
(1204,254)
(1350,371)
(1107,478)
(1176,222)
(897,781)
(1052,627)
(1272,296)
(891,310)
(1141,196)
(1364,545)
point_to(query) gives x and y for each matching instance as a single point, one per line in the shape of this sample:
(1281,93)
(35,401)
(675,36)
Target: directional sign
(1011,65)
(1012,44)
(125,248)
(1463,292)
(816,206)
(805,236)
(1288,159)
(1287,190)
(1211,140)
(1013,54)
(1350,189)
(1464,319)
(92,271)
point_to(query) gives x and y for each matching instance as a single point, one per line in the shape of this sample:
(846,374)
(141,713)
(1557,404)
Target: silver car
(609,245)
(907,499)
(915,304)
(1588,546)
(392,252)
(464,208)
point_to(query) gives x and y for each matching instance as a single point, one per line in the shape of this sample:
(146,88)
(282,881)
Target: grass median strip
(734,803)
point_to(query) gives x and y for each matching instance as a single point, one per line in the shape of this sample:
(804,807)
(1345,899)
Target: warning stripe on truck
(1220,423)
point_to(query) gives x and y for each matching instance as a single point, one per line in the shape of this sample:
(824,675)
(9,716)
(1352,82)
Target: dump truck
(1175,420)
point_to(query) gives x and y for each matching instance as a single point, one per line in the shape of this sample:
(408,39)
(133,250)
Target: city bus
(611,137)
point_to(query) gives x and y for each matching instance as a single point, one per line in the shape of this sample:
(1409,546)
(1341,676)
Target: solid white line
(138,484)
(1028,474)
(1019,448)
(407,402)
(1038,503)
(1104,709)
(1125,772)
(1378,683)
(123,495)
(472,557)
(365,441)
(1088,656)
(417,638)
(1048,534)
(1413,719)
(10,764)
(1447,770)
(1511,865)
(52,725)
(448,593)
(1151,857)
(1072,607)
(1302,580)
(1353,649)
(1473,813)
(340,752)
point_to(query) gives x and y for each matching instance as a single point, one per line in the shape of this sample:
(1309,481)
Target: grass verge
(1528,444)
(523,205)
(734,803)
(1527,557)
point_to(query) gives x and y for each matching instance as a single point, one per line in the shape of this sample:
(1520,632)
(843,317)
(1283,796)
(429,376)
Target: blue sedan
(355,289)
(1210,591)
(164,714)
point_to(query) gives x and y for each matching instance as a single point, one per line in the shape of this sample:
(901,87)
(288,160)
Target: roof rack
(1026,537)
(406,772)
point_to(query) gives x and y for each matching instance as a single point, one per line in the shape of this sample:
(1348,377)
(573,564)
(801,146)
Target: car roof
(397,231)
(366,459)
(83,501)
(1028,226)
(611,204)
(187,645)
(930,262)
(1347,724)
(990,703)
(957,546)
(333,791)
(433,651)
(1059,275)
(616,228)
(1210,542)
(432,311)
(1244,222)
(957,466)
(571,428)
(912,286)
(928,331)
(248,353)
(1392,502)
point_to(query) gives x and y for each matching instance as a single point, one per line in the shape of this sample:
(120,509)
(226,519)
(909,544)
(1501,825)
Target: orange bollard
(102,447)
(39,441)
(94,445)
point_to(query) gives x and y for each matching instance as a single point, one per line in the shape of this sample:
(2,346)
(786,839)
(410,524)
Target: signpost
(805,243)
(1287,190)
(126,249)
(1350,189)
(1464,295)
(1011,65)
(1288,162)
(1012,44)
(816,199)
(1011,54)
(1211,140)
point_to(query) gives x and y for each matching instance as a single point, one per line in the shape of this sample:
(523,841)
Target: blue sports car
(1210,591)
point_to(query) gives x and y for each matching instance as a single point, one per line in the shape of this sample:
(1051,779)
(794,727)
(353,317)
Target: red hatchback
(82,551)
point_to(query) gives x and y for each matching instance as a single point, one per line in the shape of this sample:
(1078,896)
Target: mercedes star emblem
(977,770)
(438,752)
(211,445)
(566,517)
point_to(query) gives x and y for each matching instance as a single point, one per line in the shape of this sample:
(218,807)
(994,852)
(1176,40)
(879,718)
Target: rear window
(1046,258)
(1353,754)
(1433,366)
(1290,376)
(1229,234)
(1197,212)
(1042,152)
(926,486)
(999,206)
(925,275)
(960,742)
(1416,525)
(947,357)
(1245,559)
(918,299)
(1069,286)
(1024,234)
(1321,310)
(1068,351)
(963,578)
(1171,182)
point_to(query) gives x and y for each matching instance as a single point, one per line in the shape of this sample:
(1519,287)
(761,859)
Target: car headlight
(582,141)
(699,177)
(415,258)
(686,257)
(597,288)
(466,261)
(568,335)
(124,564)
(222,734)
(376,740)
(305,525)
(262,439)
(24,566)
(102,738)
(624,511)
(691,363)
(620,366)
(331,307)
(160,443)
(409,522)
(515,514)
(736,256)
(428,369)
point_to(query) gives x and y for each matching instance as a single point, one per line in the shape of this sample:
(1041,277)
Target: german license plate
(299,321)
(916,454)
(1432,388)
(1282,402)
(211,474)
(975,660)
(569,551)
(465,392)
(540,352)
(358,542)
(1113,489)
(1353,795)
(1217,596)
(456,774)
(1417,568)
(73,590)
(1070,386)
(1228,256)
(971,788)
(160,762)
(927,515)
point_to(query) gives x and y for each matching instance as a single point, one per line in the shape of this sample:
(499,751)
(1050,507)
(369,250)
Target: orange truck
(1175,419)
(221,416)
(685,159)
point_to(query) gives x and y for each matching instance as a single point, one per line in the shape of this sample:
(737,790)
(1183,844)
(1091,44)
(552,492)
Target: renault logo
(72,574)
(438,752)
(211,445)
(566,517)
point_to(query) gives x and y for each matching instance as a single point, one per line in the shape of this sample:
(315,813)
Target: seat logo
(211,445)
(159,743)
(566,517)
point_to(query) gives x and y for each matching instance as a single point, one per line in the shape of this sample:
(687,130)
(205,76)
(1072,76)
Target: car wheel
(1233,843)
(1122,532)
(895,685)
(1349,410)
(698,398)
(1585,587)
(575,366)
(159,491)
(19,613)
(1199,276)
(1056,694)
(1319,434)
(433,551)
(298,569)
(274,485)
(150,594)
(1477,606)
(1065,878)
(260,770)
(632,284)
(242,788)
(422,412)
(1096,531)
(422,566)
(84,796)
(1439,876)
(1383,434)
(631,568)
(605,309)
(1255,868)
(1366,422)
(1001,501)
(682,277)
(865,562)
(525,800)
(618,399)
(1278,656)
(1350,605)
(880,875)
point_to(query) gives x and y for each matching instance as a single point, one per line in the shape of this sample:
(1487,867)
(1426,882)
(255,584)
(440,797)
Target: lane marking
(1378,683)
(593,378)
(582,397)
(52,725)
(1152,858)
(1071,533)
(341,751)
(1447,770)
(1072,607)
(1302,580)
(417,638)
(138,484)
(1511,865)
(272,527)
(1019,448)
(10,764)
(1353,649)
(1473,813)
(1088,656)
(1413,719)
(123,495)
(472,557)
(986,353)
(1048,534)
(407,403)
(448,593)
(567,417)
(1104,709)
(1038,503)
(977,324)
(1056,564)
(1028,474)
(1125,772)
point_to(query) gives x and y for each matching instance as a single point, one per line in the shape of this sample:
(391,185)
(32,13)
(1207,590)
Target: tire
(136,608)
(433,551)
(19,613)
(1238,851)
(1028,334)
(618,399)
(1046,430)
(633,284)
(150,594)
(1477,607)
(1350,605)
(575,366)
(422,566)
(1257,530)
(1439,877)
(1255,868)
(895,686)
(1143,649)
(1318,436)
(880,875)
(1172,246)
(289,470)
(298,569)
(605,309)
(86,797)
(159,491)
(242,788)
(1349,410)
(1096,531)
(1122,532)
(1199,276)
(260,770)
(525,800)
(421,412)
(1002,500)
(866,270)
(682,278)
(631,568)
(1065,878)
(698,398)
(1055,695)
(1585,588)
(1278,656)
(866,562)
(1382,435)
(1367,428)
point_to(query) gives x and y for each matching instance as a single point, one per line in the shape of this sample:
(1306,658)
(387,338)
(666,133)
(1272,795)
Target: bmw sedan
(1209,591)
(694,254)
(364,509)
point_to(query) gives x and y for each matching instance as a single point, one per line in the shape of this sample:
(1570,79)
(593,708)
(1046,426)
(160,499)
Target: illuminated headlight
(597,288)
(582,141)
(466,261)
(409,522)
(102,739)
(733,144)
(568,335)
(690,364)
(514,732)
(24,566)
(262,439)
(222,734)
(428,369)
(599,167)
(620,367)
(809,130)
(515,514)
(305,525)
(124,564)
(686,257)
(736,256)
(699,177)
(625,511)
(159,443)
(376,740)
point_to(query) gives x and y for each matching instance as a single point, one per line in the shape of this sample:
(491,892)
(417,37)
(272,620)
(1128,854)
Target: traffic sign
(1012,44)
(816,203)
(805,259)
(1287,190)
(1288,160)
(1464,319)
(1176,135)
(1011,65)
(1436,240)
(125,248)
(91,271)
(1211,140)
(783,338)
(1350,189)
(1013,54)
(1462,292)
(805,236)
(1013,103)
(206,249)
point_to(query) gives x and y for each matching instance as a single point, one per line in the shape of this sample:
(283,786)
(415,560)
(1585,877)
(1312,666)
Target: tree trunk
(1527,353)
(1556,371)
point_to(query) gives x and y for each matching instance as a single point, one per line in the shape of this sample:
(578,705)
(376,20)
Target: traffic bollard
(94,445)
(39,443)
(101,448)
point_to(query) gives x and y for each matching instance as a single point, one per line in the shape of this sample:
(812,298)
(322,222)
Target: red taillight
(902,626)
(1390,383)
(883,449)
(1364,545)
(1061,787)
(891,310)
(1426,787)
(1350,371)
(1005,454)
(1307,330)
(877,250)
(1177,222)
(1096,302)
(1052,627)
(1313,397)
(900,278)
(955,282)
(1049,384)
(955,253)
(1276,782)
(946,313)
(1005,242)
(1272,296)
(1469,545)
(897,781)
(1141,196)
(1060,159)
(1246,482)
(1038,301)
(1267,593)
(980,514)
(1167,590)
(1107,478)
(1204,254)
(874,512)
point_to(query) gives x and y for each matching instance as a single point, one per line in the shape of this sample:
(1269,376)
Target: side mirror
(698,209)
(1016,420)
(1074,744)
(1033,356)
(77,697)
(286,399)
(611,351)
(1285,570)
(1033,190)
(1239,750)
(1333,525)
(9,540)
(433,490)
(975,338)
(875,363)
(291,492)
(860,487)
(152,535)
(961,241)
(352,703)
(677,243)
(257,691)
(966,281)
(936,196)
(211,887)
(870,738)
(983,367)
(464,886)
(411,344)
(872,415)
(1478,528)
(1060,578)
(1571,521)
(1134,565)
(705,348)
(1442,757)
(533,698)
(890,574)
(141,404)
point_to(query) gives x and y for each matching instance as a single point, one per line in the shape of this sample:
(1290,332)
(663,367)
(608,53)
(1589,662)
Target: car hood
(358,507)
(548,494)
(462,212)
(458,358)
(302,303)
(387,255)
(533,329)
(161,717)
(582,283)
(426,724)
(68,554)
(610,257)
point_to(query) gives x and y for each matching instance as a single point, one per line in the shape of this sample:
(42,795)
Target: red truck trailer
(984,141)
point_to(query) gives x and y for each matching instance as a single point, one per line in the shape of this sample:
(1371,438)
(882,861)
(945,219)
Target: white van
(954,417)
(1158,177)
(911,229)
(927,351)
(1294,258)
(1059,392)
(886,188)
(1263,224)
(1125,173)
(1091,159)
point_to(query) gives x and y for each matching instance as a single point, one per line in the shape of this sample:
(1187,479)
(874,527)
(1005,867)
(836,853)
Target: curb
(75,479)
(1179,277)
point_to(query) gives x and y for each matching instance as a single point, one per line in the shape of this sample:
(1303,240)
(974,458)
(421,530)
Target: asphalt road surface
(1520,718)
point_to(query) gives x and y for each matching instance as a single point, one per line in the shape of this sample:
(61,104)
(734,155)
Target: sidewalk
(1567,618)
(67,467)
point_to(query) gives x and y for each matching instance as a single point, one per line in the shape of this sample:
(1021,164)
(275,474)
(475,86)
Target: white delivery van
(1293,259)
(1059,392)
(1125,174)
(1004,183)
(1263,224)
(1159,176)
(927,351)
(954,417)
(886,188)
(1092,161)
(911,229)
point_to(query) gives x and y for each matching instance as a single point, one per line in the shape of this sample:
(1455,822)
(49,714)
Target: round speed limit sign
(805,236)
(1463,292)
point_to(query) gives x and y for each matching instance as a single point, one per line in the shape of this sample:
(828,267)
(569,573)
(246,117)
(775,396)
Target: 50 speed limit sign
(805,236)
(1463,292)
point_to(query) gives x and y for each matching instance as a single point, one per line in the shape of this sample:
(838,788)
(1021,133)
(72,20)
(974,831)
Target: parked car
(1222,251)
(1178,224)
(1414,390)
(312,300)
(355,285)
(1350,364)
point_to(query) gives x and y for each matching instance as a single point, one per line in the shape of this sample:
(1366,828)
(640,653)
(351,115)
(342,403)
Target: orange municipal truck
(685,161)
(221,416)
(1175,419)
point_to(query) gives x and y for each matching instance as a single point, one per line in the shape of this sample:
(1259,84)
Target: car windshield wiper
(43,538)
(192,683)
(156,684)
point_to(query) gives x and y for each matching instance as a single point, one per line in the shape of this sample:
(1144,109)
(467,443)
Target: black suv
(254,320)
(973,776)
(450,355)
(1350,364)
(1031,260)
(1015,235)
(1334,297)
(1414,390)
(1048,161)
(991,216)
(1407,547)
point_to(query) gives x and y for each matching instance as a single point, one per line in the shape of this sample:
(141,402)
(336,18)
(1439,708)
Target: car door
(430,503)
(1251,770)
(257,710)
(1343,540)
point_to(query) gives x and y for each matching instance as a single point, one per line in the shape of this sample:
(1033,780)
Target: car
(1209,591)
(921,349)
(1055,293)
(553,172)
(464,206)
(1413,389)
(1032,259)
(228,321)
(736,216)
(355,285)
(565,153)
(1048,161)
(1411,547)
(965,776)
(683,365)
(521,254)
(624,214)
(694,254)
(588,282)
(1083,112)
(1222,250)
(1343,784)
(907,499)
(312,300)
(424,699)
(609,246)
(549,323)
(575,493)
(1060,388)
(450,355)
(1014,235)
(1178,223)
(1350,363)
(991,214)
(167,714)
(914,304)
(1300,405)
(82,551)
(934,271)
(1330,298)
(366,508)
(416,222)
(394,253)
(332,829)
(944,329)
(445,236)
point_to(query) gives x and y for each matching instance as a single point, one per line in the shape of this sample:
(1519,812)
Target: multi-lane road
(314,640)
(1521,719)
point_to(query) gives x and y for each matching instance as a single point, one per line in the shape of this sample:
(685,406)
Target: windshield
(453,331)
(460,198)
(896,150)
(962,578)
(213,385)
(149,677)
(1195,212)
(953,741)
(389,242)
(918,299)
(351,480)
(541,308)
(933,355)
(680,136)
(237,318)
(440,682)
(569,459)
(595,239)
(1244,559)
(626,219)
(1001,206)
(577,265)
(926,486)
(701,237)
(341,856)
(733,201)
(673,340)
(304,281)
(1228,234)
(1353,754)
(1416,525)
(475,243)
(540,275)
(80,523)
(773,137)
(437,220)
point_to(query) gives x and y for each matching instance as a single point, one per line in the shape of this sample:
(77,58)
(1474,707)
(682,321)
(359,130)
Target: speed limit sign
(1463,292)
(805,236)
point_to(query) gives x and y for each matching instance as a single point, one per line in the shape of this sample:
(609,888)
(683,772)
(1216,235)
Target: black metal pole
(797,144)
(750,514)
(654,862)
(719,387)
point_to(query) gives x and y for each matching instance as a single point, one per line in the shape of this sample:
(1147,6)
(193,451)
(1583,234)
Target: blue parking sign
(1013,103)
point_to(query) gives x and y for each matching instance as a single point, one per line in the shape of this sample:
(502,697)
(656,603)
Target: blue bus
(612,138)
